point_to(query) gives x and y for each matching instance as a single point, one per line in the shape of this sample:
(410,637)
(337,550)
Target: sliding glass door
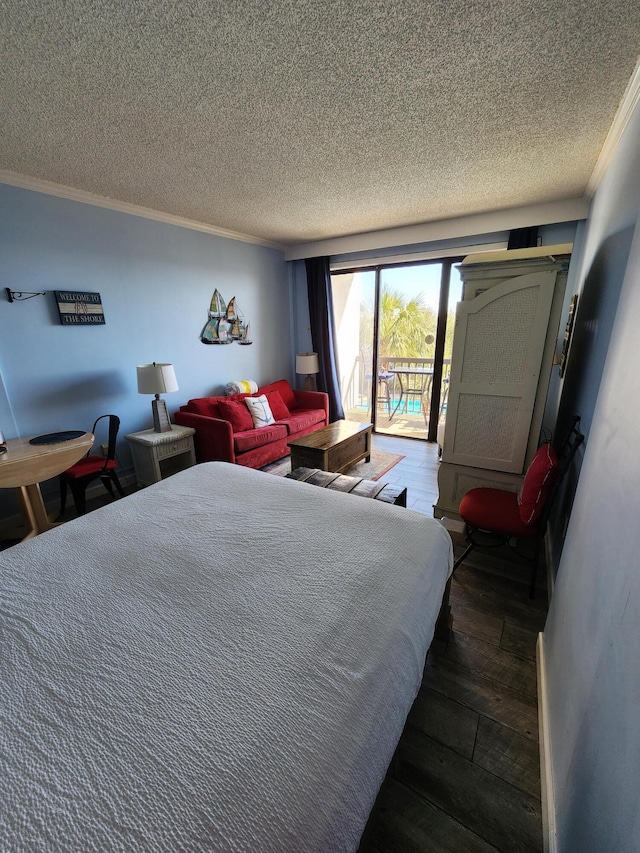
(354,305)
(395,332)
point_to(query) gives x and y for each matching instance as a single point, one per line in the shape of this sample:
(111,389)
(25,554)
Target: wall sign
(77,308)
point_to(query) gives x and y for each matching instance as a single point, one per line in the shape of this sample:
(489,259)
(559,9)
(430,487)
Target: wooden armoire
(503,353)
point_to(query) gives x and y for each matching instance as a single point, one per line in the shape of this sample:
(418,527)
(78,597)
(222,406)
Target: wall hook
(21,295)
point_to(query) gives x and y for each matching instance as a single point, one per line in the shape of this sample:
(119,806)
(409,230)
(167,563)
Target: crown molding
(628,104)
(85,197)
(463,226)
(546,213)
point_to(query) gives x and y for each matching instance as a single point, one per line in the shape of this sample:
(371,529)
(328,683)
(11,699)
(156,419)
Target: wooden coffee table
(332,448)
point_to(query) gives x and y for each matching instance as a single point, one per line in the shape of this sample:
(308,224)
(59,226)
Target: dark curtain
(523,238)
(323,332)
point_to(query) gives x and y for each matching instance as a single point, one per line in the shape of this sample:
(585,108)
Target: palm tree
(403,326)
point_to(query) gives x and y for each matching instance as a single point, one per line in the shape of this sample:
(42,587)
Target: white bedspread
(221,662)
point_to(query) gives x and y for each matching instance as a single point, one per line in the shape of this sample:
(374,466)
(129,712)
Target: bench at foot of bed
(353,485)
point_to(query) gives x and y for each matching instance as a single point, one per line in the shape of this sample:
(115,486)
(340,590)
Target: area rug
(381,463)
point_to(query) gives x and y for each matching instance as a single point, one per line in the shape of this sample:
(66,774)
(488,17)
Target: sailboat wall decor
(225,324)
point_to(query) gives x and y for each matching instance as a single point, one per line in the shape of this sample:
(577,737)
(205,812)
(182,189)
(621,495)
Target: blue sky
(415,280)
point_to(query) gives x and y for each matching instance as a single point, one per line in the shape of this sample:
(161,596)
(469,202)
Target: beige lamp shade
(307,362)
(156,378)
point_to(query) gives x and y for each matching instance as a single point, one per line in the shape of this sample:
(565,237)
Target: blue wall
(592,635)
(156,282)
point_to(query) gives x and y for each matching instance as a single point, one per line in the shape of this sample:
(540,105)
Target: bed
(221,662)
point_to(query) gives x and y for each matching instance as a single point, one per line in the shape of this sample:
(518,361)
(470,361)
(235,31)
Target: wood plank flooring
(466,775)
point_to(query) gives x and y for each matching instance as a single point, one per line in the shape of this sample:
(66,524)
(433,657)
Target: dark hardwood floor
(466,774)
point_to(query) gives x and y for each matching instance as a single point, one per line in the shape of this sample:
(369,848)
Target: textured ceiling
(298,120)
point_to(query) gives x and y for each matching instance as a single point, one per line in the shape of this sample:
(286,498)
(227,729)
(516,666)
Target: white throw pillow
(260,411)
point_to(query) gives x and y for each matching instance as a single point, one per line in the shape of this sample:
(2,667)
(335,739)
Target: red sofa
(225,437)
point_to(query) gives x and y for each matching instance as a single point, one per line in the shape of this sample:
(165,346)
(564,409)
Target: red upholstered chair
(494,517)
(92,467)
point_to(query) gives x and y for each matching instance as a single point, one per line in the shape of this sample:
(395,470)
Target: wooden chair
(92,467)
(493,517)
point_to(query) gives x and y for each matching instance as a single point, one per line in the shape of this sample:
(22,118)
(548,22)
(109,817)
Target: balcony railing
(403,398)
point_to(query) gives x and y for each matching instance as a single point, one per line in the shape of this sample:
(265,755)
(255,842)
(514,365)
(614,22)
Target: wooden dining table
(24,466)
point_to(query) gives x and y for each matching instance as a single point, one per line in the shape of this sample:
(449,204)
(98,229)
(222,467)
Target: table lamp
(157,379)
(307,363)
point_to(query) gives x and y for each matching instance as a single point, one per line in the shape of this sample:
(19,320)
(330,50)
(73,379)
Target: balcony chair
(92,467)
(414,387)
(494,517)
(384,391)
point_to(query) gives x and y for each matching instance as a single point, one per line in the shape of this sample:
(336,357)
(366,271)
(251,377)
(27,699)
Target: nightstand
(157,455)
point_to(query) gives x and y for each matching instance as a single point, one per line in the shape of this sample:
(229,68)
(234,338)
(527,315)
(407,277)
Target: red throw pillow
(207,406)
(277,405)
(237,414)
(537,483)
(284,389)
